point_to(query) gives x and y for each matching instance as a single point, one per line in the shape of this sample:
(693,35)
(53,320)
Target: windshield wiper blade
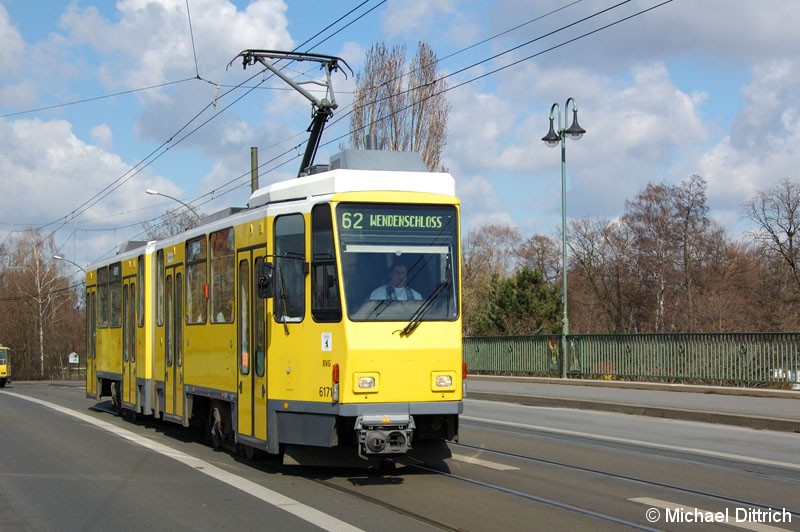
(382,305)
(423,309)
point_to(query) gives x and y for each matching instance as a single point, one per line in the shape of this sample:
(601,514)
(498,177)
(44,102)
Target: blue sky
(690,87)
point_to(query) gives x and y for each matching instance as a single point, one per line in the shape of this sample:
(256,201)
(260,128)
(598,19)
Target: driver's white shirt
(402,293)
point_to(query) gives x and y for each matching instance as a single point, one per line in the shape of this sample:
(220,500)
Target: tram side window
(222,269)
(326,304)
(90,326)
(290,253)
(244,321)
(126,332)
(140,293)
(131,323)
(115,293)
(160,287)
(259,322)
(102,296)
(196,280)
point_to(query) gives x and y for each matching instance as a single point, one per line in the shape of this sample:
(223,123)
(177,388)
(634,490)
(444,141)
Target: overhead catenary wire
(96,98)
(164,147)
(147,160)
(564,43)
(171,142)
(478,63)
(500,54)
(341,117)
(191,35)
(168,144)
(216,192)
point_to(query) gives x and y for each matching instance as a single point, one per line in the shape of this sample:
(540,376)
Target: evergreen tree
(520,305)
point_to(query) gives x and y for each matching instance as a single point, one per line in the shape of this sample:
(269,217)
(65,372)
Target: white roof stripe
(341,180)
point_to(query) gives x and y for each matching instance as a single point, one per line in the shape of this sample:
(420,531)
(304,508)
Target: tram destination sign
(382,219)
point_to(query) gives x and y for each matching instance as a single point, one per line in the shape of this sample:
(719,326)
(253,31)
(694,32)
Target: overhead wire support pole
(322,107)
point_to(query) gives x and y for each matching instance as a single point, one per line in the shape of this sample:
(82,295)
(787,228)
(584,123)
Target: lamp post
(59,257)
(157,193)
(553,139)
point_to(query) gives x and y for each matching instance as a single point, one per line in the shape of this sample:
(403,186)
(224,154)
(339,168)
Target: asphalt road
(515,467)
(744,407)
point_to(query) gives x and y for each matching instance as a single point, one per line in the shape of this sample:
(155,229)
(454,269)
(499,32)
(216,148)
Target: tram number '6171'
(324,391)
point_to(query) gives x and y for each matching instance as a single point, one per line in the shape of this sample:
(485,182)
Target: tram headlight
(366,382)
(443,381)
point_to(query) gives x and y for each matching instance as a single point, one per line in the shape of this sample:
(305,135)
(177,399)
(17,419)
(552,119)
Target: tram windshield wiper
(424,308)
(382,305)
(426,305)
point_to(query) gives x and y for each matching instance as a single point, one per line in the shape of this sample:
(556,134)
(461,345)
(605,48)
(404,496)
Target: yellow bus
(322,322)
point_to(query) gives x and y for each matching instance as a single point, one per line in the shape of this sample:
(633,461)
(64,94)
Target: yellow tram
(322,321)
(5,367)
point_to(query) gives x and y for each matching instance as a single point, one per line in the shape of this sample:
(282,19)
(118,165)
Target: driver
(396,287)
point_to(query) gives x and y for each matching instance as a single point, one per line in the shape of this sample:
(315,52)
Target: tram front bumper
(384,434)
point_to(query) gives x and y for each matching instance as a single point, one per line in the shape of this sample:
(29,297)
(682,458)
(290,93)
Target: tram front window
(399,262)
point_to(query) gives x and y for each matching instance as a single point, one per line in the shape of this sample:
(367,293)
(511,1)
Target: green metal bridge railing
(739,359)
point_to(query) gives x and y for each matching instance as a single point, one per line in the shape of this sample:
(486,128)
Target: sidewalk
(745,407)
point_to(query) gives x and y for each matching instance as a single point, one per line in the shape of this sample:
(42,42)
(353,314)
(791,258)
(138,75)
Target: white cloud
(414,16)
(476,124)
(635,129)
(102,135)
(151,43)
(649,117)
(12,47)
(479,203)
(47,171)
(762,146)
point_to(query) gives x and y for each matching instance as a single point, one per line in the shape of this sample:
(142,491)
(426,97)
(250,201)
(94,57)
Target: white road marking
(298,509)
(484,463)
(729,520)
(717,454)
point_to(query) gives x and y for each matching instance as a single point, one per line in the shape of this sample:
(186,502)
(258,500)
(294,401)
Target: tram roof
(346,180)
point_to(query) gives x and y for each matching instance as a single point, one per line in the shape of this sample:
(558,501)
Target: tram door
(252,348)
(173,333)
(129,341)
(91,341)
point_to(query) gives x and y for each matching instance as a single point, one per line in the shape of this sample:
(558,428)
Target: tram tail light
(335,383)
(463,379)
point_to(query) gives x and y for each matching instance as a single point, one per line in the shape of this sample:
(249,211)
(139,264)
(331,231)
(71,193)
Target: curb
(764,423)
(635,385)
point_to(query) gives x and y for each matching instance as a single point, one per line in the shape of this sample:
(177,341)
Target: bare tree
(692,224)
(405,107)
(650,218)
(173,222)
(43,315)
(602,255)
(488,258)
(737,292)
(776,214)
(543,254)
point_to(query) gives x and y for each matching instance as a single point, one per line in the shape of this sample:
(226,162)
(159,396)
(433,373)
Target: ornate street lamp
(553,139)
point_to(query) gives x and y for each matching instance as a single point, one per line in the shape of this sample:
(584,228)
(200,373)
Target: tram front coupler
(384,434)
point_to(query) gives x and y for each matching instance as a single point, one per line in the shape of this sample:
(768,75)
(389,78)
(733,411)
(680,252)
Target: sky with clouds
(102,100)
